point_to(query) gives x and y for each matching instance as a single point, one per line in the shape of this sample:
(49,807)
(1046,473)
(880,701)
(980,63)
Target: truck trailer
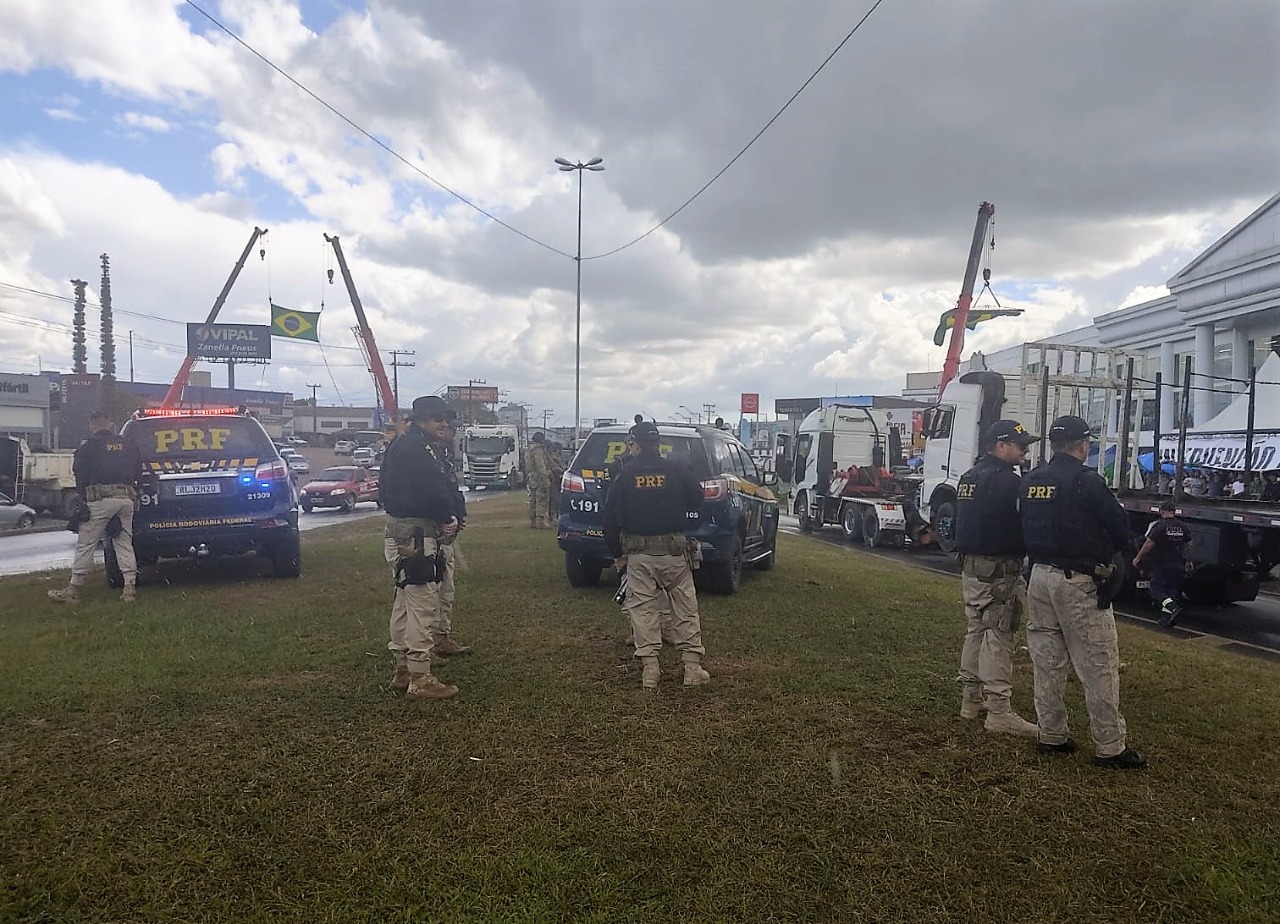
(43,480)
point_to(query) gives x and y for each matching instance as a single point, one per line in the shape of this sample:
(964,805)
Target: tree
(79,353)
(108,335)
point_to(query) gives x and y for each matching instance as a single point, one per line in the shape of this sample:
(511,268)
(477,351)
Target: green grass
(227,750)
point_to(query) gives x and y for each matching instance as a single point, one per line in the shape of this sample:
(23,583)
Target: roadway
(1246,628)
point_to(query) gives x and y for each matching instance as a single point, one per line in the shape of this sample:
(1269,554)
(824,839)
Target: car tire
(945,519)
(872,535)
(349,503)
(581,571)
(26,521)
(851,522)
(726,576)
(115,577)
(307,508)
(802,512)
(286,557)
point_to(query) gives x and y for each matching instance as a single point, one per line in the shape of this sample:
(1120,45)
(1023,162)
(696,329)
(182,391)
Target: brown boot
(649,674)
(426,686)
(400,679)
(444,645)
(129,594)
(694,674)
(68,594)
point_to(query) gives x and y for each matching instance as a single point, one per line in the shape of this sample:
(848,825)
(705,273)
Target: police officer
(106,467)
(538,472)
(1165,551)
(989,539)
(664,605)
(1074,529)
(645,515)
(420,504)
(441,634)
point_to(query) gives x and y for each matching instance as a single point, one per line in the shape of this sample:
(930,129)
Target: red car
(341,486)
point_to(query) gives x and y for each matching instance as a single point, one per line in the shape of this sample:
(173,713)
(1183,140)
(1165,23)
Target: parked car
(295,441)
(298,464)
(737,524)
(212,485)
(363,456)
(344,447)
(14,515)
(341,486)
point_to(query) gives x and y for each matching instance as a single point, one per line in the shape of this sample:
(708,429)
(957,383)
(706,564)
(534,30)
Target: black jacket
(987,521)
(652,496)
(413,481)
(1070,518)
(107,458)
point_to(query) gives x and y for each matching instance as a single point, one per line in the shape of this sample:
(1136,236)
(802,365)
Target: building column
(1169,381)
(1201,398)
(1241,358)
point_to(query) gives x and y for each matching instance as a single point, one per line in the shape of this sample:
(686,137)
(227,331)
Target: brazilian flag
(976,317)
(295,325)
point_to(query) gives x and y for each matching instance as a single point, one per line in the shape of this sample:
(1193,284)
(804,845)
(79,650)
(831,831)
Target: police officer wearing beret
(1074,529)
(420,503)
(645,514)
(106,467)
(989,539)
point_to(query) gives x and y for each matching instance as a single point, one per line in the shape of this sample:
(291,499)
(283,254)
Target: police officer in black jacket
(989,539)
(645,514)
(1074,529)
(415,491)
(107,466)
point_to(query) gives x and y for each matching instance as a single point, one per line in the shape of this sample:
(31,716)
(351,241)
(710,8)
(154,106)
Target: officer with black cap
(645,514)
(415,491)
(989,539)
(1074,530)
(1164,551)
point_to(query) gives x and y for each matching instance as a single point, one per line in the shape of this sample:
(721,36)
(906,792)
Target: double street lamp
(566,166)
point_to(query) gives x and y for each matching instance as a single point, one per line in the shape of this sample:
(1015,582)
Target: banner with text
(229,341)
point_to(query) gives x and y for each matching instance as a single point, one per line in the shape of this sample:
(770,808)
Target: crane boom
(952,364)
(365,334)
(174,394)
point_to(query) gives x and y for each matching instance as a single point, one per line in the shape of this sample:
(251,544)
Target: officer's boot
(1006,721)
(444,645)
(694,673)
(129,594)
(427,686)
(400,679)
(68,594)
(649,673)
(971,705)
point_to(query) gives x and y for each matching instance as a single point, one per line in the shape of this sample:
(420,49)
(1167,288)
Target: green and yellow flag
(295,325)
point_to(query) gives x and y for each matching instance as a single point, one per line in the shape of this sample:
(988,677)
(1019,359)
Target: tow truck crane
(364,336)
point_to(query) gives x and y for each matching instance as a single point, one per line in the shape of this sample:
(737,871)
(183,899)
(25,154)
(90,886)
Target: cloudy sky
(1117,140)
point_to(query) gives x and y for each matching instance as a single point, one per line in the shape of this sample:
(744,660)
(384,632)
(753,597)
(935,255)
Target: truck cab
(492,456)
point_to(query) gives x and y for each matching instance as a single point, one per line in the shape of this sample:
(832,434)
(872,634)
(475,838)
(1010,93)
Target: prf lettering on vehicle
(643,482)
(191,439)
(1041,491)
(619,448)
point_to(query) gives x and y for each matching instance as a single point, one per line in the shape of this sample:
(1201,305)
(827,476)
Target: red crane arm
(952,364)
(385,393)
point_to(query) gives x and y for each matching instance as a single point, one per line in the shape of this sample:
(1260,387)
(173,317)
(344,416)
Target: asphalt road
(1247,628)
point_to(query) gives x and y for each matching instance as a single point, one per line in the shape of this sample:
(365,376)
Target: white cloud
(149,123)
(63,115)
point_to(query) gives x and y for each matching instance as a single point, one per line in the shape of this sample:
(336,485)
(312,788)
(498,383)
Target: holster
(414,565)
(693,553)
(1109,579)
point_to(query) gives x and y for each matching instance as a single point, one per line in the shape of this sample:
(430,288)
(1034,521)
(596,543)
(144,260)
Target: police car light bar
(191,412)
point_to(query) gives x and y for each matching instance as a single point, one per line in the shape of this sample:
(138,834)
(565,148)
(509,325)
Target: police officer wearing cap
(989,539)
(443,644)
(1074,529)
(1164,558)
(106,467)
(645,514)
(420,502)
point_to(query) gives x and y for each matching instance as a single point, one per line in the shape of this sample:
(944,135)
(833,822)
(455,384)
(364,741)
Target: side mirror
(770,480)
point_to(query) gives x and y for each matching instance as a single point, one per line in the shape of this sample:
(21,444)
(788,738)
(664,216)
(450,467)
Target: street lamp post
(566,166)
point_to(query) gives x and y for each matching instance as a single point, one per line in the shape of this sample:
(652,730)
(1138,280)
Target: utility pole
(471,395)
(545,414)
(315,412)
(709,408)
(395,370)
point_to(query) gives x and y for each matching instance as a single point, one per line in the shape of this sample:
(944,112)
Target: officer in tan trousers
(106,466)
(1074,528)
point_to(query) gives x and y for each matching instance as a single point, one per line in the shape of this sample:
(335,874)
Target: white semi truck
(43,480)
(492,456)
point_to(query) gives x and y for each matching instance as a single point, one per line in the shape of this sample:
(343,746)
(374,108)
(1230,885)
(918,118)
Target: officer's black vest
(111,459)
(987,520)
(1056,526)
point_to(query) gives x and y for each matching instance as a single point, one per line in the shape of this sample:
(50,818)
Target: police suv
(212,484)
(737,524)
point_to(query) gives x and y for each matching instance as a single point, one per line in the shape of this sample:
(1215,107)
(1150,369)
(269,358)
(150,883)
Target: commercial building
(25,408)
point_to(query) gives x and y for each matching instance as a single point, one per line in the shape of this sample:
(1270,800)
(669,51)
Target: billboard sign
(785,406)
(472,394)
(750,403)
(229,341)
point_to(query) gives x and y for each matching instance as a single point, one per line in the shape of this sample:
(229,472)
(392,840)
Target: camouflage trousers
(652,581)
(993,592)
(1066,628)
(100,514)
(539,498)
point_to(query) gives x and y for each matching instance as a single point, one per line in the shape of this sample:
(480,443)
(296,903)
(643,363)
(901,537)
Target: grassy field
(227,750)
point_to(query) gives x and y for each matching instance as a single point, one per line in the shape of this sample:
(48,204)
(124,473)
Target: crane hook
(262,254)
(330,273)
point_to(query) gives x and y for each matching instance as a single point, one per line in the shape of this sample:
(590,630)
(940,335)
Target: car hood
(324,487)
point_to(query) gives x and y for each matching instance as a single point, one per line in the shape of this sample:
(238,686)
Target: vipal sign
(229,341)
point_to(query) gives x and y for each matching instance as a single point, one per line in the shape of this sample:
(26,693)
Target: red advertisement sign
(750,402)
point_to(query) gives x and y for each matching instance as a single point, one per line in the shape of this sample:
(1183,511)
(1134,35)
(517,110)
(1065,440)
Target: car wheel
(286,557)
(307,508)
(871,532)
(26,521)
(726,576)
(349,504)
(115,577)
(851,522)
(581,572)
(945,526)
(802,513)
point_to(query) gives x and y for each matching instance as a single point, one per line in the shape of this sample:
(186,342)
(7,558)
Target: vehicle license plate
(197,487)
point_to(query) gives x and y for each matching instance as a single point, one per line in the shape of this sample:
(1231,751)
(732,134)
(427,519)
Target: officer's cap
(431,407)
(1069,429)
(539,437)
(645,432)
(1010,431)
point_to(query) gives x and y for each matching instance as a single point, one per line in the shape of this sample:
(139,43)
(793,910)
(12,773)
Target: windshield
(337,474)
(601,449)
(200,438)
(494,445)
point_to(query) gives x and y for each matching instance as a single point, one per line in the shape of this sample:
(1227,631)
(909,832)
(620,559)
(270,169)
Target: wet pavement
(1247,628)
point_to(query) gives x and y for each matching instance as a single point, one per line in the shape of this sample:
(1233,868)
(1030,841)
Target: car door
(751,495)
